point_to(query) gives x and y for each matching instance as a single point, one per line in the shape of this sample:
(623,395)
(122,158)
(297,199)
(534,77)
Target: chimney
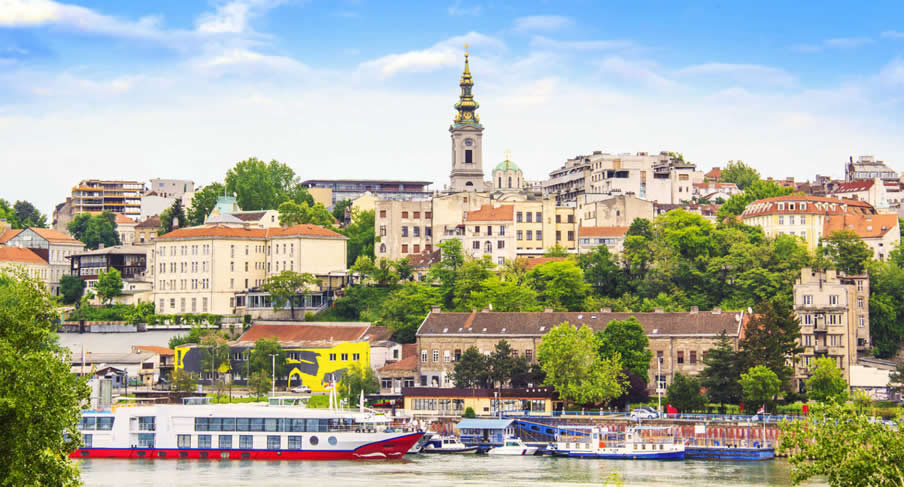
(100,245)
(717,310)
(605,310)
(485,310)
(436,309)
(547,310)
(695,309)
(659,310)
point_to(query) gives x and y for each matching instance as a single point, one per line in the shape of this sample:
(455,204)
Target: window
(693,357)
(501,230)
(803,218)
(860,302)
(382,213)
(356,357)
(183,441)
(558,218)
(500,244)
(475,245)
(518,217)
(570,218)
(833,299)
(529,217)
(225,442)
(416,231)
(539,217)
(273,442)
(344,357)
(203,441)
(469,156)
(436,355)
(404,248)
(423,356)
(781,220)
(530,235)
(860,285)
(447,357)
(861,322)
(539,235)
(519,235)
(791,220)
(428,231)
(404,214)
(382,230)
(558,235)
(808,300)
(571,235)
(528,354)
(680,357)
(417,248)
(295,443)
(405,231)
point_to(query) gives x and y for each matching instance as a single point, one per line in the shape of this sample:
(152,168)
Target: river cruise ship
(282,429)
(638,443)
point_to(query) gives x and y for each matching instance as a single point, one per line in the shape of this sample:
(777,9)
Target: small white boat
(513,446)
(447,444)
(419,446)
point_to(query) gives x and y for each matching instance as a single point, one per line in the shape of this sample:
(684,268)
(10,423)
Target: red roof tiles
(16,254)
(487,213)
(602,231)
(305,333)
(865,226)
(304,230)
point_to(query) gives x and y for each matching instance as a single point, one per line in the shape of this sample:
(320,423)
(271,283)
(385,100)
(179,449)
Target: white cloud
(741,73)
(546,23)
(456,10)
(540,42)
(242,60)
(441,55)
(643,72)
(35,13)
(892,74)
(892,34)
(233,17)
(847,42)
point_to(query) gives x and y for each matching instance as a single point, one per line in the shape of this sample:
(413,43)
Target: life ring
(602,444)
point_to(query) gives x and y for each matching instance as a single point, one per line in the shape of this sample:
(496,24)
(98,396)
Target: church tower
(467,139)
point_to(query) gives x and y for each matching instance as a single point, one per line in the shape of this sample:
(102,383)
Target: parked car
(644,412)
(302,389)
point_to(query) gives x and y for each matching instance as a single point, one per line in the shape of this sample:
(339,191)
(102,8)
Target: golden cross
(466,48)
(508,155)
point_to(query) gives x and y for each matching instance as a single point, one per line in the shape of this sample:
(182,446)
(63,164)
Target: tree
(504,296)
(260,383)
(469,413)
(361,235)
(468,280)
(843,448)
(339,209)
(825,382)
(24,214)
(626,339)
(556,251)
(684,394)
(446,270)
(40,399)
(183,381)
(94,230)
(285,287)
(501,364)
(896,378)
(601,270)
(471,369)
(559,284)
(384,272)
(261,359)
(109,285)
(214,354)
(720,373)
(174,212)
(570,358)
(405,308)
(640,227)
(364,266)
(292,213)
(847,251)
(886,304)
(771,339)
(755,191)
(403,268)
(262,186)
(71,288)
(739,173)
(760,385)
(203,202)
(359,378)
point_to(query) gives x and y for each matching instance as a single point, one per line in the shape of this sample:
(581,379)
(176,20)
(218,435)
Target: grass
(224,399)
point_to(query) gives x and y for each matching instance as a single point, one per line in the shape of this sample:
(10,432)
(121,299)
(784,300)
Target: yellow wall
(323,196)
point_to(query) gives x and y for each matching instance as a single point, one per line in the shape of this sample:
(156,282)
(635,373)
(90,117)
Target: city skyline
(100,90)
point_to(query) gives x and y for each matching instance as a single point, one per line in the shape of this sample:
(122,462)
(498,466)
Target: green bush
(469,413)
(322,401)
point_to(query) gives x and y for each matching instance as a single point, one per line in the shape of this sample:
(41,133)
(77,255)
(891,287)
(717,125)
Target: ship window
(271,424)
(273,442)
(313,440)
(203,441)
(88,423)
(201,424)
(87,440)
(139,454)
(145,440)
(105,423)
(183,441)
(295,443)
(214,424)
(257,424)
(203,454)
(246,455)
(242,424)
(85,453)
(225,442)
(246,442)
(332,440)
(228,424)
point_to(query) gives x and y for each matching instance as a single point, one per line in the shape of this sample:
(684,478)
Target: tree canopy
(94,230)
(720,373)
(285,287)
(825,382)
(71,288)
(174,213)
(570,358)
(759,385)
(627,339)
(260,359)
(292,213)
(560,284)
(757,190)
(771,340)
(203,202)
(847,251)
(109,285)
(359,378)
(684,394)
(739,173)
(22,214)
(360,233)
(263,186)
(471,369)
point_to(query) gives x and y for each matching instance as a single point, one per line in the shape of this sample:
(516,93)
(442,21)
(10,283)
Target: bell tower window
(469,156)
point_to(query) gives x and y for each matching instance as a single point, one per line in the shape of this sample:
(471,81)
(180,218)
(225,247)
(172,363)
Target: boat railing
(697,417)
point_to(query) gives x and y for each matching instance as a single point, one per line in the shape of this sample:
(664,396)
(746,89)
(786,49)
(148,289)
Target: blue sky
(364,89)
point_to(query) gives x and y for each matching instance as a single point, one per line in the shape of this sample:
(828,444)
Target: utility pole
(273,377)
(659,382)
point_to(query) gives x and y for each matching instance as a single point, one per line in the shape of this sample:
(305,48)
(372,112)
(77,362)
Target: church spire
(466,106)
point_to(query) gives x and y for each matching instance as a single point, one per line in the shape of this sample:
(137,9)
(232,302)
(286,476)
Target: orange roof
(306,230)
(815,205)
(155,349)
(305,333)
(714,173)
(16,254)
(538,261)
(123,220)
(54,236)
(407,363)
(853,187)
(865,226)
(8,234)
(487,213)
(602,231)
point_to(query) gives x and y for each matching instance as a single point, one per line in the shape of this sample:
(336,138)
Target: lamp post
(659,383)
(273,376)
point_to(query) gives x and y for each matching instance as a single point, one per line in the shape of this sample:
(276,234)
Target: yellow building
(452,402)
(801,216)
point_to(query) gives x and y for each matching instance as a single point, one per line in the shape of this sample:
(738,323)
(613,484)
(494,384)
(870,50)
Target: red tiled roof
(54,236)
(8,234)
(152,222)
(865,226)
(305,333)
(155,349)
(853,187)
(16,254)
(425,259)
(716,185)
(815,205)
(538,261)
(407,363)
(714,173)
(305,230)
(123,220)
(602,231)
(487,213)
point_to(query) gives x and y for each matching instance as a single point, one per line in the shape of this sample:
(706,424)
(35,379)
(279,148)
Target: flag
(761,410)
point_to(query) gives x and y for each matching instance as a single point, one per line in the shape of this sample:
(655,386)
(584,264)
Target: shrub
(469,413)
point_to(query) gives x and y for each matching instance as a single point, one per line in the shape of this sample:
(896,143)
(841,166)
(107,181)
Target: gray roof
(249,216)
(223,218)
(116,249)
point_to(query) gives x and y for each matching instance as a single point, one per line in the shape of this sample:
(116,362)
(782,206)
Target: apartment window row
(455,355)
(416,248)
(415,231)
(691,357)
(529,217)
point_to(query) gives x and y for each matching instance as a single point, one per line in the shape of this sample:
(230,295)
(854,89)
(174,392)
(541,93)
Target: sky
(359,89)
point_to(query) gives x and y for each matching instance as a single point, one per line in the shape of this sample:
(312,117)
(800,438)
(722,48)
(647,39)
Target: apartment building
(595,210)
(589,238)
(53,247)
(834,320)
(801,216)
(33,264)
(571,180)
(332,191)
(403,228)
(97,195)
(490,231)
(882,233)
(203,269)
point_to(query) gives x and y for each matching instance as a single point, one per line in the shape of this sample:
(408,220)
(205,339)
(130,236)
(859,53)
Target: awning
(484,424)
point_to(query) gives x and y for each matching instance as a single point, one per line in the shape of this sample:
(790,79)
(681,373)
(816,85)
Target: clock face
(469,142)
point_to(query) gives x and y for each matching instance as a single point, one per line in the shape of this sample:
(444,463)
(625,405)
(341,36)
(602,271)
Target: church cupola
(467,140)
(467,105)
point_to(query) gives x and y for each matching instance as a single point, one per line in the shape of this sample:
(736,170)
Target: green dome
(506,165)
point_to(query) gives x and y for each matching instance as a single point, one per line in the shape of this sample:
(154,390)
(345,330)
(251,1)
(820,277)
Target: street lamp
(659,382)
(273,376)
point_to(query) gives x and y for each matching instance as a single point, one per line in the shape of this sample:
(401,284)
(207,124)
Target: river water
(434,471)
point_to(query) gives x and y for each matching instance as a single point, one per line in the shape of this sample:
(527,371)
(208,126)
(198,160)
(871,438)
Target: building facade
(33,264)
(129,260)
(589,238)
(352,189)
(834,320)
(52,246)
(97,195)
(490,232)
(882,232)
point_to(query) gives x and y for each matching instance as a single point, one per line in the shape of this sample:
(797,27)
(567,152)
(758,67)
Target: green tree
(556,251)
(720,373)
(446,270)
(739,173)
(627,339)
(847,251)
(22,215)
(193,336)
(339,209)
(403,268)
(469,413)
(359,378)
(94,230)
(176,212)
(559,285)
(262,186)
(214,354)
(284,288)
(364,266)
(468,280)
(502,364)
(405,308)
(261,358)
(292,213)
(502,295)
(684,394)
(384,272)
(260,383)
(71,288)
(896,378)
(40,398)
(771,339)
(601,270)
(471,369)
(203,202)
(755,191)
(109,285)
(361,236)
(640,227)
(759,386)
(570,358)
(183,381)
(843,448)
(886,305)
(825,382)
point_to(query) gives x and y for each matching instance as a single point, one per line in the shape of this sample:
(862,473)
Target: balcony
(820,327)
(820,349)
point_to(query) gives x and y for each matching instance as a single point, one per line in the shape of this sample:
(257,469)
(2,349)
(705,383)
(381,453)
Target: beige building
(882,233)
(612,211)
(202,269)
(679,340)
(97,195)
(32,263)
(125,227)
(589,238)
(403,228)
(834,320)
(800,215)
(52,246)
(490,231)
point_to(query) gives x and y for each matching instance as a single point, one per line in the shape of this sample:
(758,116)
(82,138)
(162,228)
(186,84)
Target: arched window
(510,181)
(382,248)
(500,181)
(469,184)
(488,247)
